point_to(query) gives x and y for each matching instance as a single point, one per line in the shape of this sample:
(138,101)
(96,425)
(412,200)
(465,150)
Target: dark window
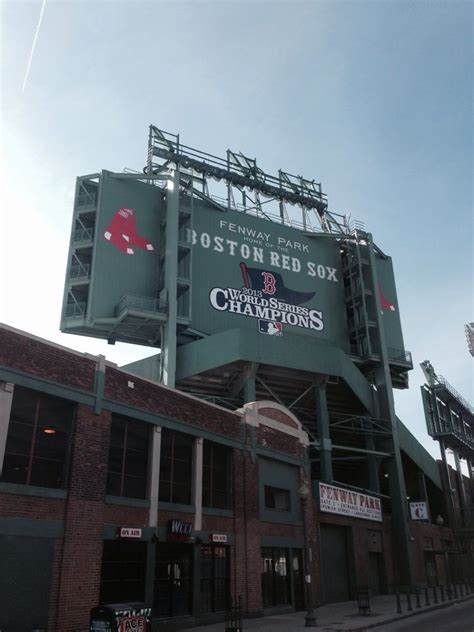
(123,571)
(275,577)
(216,475)
(37,442)
(278,499)
(176,464)
(128,458)
(214,578)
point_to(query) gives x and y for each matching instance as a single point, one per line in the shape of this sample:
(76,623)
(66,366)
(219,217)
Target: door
(335,577)
(430,567)
(173,580)
(376,581)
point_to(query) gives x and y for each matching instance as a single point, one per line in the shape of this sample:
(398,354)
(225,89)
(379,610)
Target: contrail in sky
(33,45)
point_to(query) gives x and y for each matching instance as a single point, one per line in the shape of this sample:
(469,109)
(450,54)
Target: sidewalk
(340,617)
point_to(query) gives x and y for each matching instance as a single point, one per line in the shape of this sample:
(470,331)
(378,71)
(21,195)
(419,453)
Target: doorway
(335,564)
(173,580)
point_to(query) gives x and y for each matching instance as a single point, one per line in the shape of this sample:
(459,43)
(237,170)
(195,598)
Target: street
(457,618)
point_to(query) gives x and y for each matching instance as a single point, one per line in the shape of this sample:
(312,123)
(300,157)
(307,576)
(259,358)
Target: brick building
(87,517)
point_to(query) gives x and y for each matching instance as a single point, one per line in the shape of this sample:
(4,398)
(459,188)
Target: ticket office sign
(344,502)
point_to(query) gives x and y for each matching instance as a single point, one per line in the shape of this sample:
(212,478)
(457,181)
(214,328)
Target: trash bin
(121,617)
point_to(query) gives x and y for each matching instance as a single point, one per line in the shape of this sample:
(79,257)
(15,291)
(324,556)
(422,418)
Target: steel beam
(139,176)
(322,424)
(171,276)
(350,448)
(383,383)
(303,394)
(267,388)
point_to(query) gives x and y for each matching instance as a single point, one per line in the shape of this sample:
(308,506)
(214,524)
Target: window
(123,571)
(176,467)
(128,458)
(37,441)
(214,578)
(216,476)
(278,499)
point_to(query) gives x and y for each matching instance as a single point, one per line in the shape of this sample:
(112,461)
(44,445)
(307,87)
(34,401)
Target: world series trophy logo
(271,284)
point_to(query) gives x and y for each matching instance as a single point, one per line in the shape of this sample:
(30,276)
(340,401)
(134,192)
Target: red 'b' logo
(269,283)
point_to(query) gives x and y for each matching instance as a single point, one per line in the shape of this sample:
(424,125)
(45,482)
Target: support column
(6,398)
(155,458)
(421,484)
(197,485)
(322,423)
(168,351)
(453,521)
(383,383)
(250,394)
(171,280)
(373,464)
(462,491)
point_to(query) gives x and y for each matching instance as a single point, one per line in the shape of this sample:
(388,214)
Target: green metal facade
(120,295)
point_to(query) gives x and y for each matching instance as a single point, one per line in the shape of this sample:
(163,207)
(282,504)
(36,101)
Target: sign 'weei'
(349,503)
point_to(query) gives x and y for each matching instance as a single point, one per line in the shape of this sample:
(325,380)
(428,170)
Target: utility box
(121,617)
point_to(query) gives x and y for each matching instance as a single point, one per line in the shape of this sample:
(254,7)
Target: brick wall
(279,441)
(164,401)
(43,360)
(80,562)
(22,506)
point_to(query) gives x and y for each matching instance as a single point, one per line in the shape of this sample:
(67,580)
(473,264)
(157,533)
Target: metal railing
(83,234)
(421,597)
(442,380)
(273,217)
(399,355)
(86,200)
(233,615)
(363,600)
(79,270)
(139,303)
(75,309)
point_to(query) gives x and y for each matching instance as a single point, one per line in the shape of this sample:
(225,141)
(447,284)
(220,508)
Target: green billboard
(389,305)
(234,269)
(248,272)
(126,251)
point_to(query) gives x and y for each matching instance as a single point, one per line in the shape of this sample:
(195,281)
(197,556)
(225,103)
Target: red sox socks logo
(385,304)
(122,232)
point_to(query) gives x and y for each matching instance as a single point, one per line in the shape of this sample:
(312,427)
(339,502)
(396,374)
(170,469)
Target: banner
(349,503)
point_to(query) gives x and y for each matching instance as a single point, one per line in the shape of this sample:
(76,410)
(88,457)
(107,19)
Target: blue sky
(373,99)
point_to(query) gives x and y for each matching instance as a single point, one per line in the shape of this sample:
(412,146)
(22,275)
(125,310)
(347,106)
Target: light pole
(310,617)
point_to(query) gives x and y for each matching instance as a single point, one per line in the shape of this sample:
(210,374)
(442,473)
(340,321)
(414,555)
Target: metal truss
(242,176)
(361,425)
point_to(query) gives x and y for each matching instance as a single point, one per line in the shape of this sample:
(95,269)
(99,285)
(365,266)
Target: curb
(408,615)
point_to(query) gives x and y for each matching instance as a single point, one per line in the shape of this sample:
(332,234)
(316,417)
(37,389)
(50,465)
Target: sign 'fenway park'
(349,503)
